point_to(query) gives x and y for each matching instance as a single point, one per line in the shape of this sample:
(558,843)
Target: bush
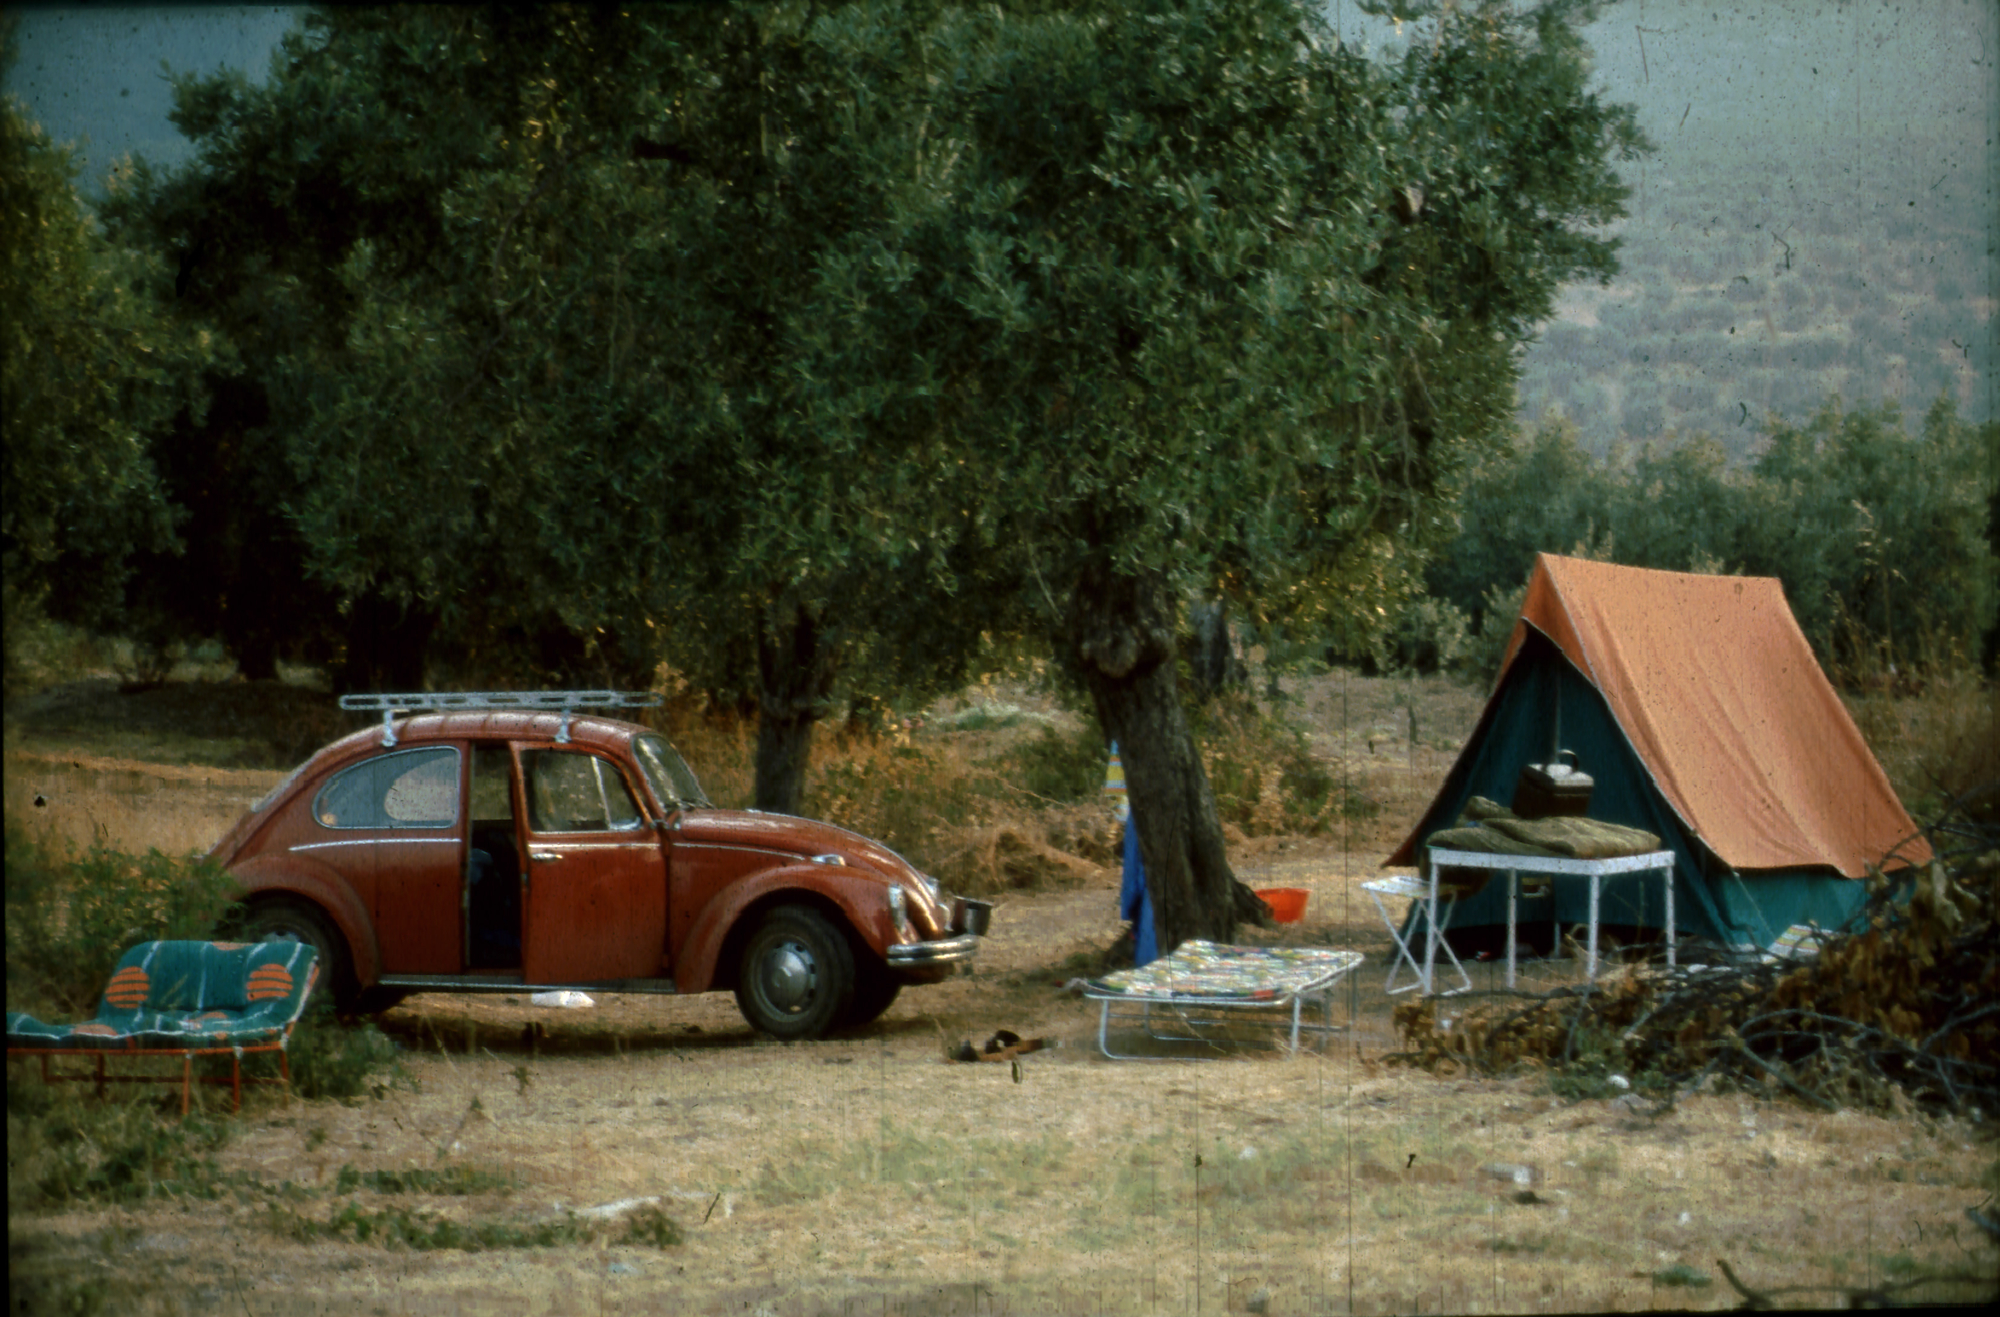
(1500,608)
(1431,635)
(908,796)
(1265,776)
(70,917)
(335,1059)
(1064,768)
(1859,520)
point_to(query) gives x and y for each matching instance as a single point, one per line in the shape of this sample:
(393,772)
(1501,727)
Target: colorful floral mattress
(1211,972)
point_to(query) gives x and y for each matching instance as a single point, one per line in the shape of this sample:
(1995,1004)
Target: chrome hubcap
(790,977)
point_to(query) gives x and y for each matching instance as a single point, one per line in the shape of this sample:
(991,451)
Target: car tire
(796,978)
(287,919)
(874,991)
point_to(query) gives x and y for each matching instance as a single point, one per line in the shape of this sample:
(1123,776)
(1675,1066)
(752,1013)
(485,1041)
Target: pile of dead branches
(1903,1010)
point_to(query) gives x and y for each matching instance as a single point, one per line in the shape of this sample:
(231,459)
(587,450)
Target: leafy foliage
(335,1058)
(1883,539)
(1062,768)
(70,916)
(91,367)
(803,347)
(1267,779)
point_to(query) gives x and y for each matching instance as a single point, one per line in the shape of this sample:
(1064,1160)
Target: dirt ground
(866,1174)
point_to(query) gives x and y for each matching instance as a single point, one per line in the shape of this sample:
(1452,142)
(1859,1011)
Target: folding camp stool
(1426,894)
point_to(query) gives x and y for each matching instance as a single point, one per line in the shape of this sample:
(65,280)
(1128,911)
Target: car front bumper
(944,951)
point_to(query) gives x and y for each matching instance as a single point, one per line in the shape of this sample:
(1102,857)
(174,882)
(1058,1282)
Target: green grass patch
(813,1168)
(442,1181)
(66,1148)
(424,1231)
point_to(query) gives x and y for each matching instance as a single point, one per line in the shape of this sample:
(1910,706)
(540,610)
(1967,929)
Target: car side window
(569,791)
(408,789)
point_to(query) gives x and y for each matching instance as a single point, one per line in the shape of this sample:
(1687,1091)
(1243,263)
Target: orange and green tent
(1695,704)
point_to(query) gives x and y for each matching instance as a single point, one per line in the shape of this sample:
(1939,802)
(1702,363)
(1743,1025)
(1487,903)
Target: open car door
(594,888)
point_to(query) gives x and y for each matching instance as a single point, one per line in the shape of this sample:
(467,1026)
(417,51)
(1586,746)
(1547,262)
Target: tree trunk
(795,672)
(1214,663)
(256,654)
(1121,636)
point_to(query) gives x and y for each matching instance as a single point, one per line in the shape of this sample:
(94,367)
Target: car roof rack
(564,702)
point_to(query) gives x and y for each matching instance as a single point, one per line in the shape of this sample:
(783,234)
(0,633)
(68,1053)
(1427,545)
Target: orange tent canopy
(1719,694)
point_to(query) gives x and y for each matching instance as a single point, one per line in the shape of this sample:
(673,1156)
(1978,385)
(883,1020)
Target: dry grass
(1938,744)
(128,804)
(863,1174)
(866,1172)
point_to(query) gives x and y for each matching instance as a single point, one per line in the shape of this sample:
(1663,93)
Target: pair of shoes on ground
(1004,1045)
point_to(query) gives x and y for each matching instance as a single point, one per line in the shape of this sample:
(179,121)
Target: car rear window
(408,789)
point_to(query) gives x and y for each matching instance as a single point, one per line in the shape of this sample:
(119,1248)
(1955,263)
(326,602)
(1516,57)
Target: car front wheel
(874,992)
(796,979)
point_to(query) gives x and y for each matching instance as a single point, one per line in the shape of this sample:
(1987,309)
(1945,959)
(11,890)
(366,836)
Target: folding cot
(183,999)
(1204,988)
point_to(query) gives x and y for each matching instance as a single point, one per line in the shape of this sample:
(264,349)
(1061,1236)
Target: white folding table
(1556,867)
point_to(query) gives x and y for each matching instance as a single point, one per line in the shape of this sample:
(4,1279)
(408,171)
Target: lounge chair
(184,999)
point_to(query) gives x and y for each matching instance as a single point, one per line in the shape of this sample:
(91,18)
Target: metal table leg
(1590,965)
(1431,933)
(1668,873)
(1513,895)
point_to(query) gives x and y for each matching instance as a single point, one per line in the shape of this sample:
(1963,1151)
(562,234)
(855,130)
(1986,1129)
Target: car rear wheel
(796,979)
(287,919)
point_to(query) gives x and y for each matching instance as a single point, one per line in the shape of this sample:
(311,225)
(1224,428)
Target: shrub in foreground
(70,916)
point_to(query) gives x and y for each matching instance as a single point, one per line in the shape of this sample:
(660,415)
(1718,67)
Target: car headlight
(899,908)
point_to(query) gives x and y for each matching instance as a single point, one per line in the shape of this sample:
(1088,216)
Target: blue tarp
(1136,903)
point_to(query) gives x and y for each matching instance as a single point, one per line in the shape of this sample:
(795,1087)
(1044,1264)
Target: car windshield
(672,780)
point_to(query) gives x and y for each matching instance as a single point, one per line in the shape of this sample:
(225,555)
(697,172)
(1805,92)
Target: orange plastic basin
(1288,904)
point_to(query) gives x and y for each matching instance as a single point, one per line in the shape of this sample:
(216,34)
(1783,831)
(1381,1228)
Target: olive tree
(1224,307)
(542,294)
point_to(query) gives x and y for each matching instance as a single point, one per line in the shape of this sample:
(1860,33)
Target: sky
(94,74)
(1692,66)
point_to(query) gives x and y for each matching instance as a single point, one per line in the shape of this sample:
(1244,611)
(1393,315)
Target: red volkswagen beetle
(510,842)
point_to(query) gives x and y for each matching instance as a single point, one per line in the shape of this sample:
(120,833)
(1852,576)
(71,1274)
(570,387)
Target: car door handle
(544,857)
